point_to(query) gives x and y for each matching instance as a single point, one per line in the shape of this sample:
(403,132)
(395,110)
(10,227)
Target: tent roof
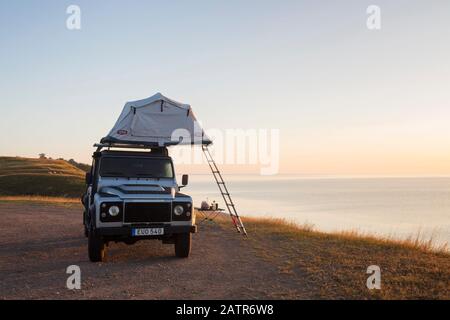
(156,97)
(156,121)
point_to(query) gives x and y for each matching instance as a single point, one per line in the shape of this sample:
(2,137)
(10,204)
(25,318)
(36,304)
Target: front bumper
(125,231)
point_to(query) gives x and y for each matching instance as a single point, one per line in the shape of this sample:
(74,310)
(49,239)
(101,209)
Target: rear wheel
(96,247)
(182,245)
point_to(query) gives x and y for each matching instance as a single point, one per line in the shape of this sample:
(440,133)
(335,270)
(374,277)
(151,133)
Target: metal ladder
(224,191)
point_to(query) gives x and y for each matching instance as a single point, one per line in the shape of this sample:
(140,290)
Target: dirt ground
(38,242)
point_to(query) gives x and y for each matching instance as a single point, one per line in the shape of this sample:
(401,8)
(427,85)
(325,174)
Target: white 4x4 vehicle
(132,196)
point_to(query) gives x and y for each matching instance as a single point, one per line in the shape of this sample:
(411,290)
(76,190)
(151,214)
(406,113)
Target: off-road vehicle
(133,195)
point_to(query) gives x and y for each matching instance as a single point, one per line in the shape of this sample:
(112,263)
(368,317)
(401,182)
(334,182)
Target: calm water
(398,207)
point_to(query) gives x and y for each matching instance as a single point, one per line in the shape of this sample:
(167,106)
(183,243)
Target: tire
(182,245)
(96,247)
(86,232)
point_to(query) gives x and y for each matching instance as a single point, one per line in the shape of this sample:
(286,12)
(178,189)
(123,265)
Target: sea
(389,207)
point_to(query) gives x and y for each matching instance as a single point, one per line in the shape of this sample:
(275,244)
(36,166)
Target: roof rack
(100,146)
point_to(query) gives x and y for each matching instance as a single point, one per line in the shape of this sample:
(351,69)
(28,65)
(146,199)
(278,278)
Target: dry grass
(416,241)
(40,177)
(39,199)
(20,165)
(334,265)
(42,201)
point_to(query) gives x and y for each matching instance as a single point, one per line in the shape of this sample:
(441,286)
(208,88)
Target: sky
(346,100)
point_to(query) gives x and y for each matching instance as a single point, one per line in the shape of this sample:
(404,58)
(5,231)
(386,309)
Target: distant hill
(79,165)
(42,177)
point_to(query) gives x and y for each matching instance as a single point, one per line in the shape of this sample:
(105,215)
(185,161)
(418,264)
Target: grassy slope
(333,266)
(42,177)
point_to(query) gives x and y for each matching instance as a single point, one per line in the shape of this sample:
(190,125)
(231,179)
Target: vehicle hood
(139,191)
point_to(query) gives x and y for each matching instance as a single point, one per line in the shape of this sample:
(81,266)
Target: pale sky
(347,100)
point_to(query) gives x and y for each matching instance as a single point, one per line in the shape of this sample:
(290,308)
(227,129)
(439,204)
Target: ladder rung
(224,191)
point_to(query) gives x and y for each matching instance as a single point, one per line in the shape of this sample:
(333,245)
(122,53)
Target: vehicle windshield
(131,167)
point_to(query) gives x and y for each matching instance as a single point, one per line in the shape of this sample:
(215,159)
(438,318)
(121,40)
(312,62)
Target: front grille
(147,212)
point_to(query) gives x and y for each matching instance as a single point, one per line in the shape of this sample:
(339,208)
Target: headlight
(178,210)
(114,211)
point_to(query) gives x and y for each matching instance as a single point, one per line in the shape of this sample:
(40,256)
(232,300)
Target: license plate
(137,232)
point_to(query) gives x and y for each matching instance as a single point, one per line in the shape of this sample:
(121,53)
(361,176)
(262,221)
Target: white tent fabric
(157,121)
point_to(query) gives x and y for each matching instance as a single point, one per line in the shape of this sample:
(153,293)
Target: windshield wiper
(113,173)
(145,175)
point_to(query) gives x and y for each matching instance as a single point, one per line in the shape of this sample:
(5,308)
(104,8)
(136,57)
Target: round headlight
(178,210)
(114,211)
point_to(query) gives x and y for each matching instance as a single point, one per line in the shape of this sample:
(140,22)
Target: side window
(167,170)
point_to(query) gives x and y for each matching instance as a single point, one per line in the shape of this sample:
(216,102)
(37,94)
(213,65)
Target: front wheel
(96,247)
(182,245)
(86,231)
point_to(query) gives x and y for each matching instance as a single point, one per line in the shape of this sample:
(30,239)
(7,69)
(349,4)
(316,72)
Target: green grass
(39,177)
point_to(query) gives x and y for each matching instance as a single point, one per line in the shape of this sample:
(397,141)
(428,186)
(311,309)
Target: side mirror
(88,178)
(185,180)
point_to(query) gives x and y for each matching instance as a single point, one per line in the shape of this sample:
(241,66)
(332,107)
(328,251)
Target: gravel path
(38,243)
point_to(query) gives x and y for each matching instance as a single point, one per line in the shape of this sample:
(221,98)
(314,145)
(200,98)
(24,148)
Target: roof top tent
(156,122)
(159,122)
